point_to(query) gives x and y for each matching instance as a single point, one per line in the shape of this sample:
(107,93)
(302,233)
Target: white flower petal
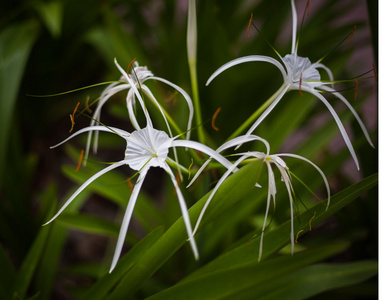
(245,59)
(127,219)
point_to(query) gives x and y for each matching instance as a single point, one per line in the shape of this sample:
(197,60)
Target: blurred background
(48,47)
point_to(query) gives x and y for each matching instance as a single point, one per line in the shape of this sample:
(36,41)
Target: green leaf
(274,240)
(52,15)
(7,274)
(236,187)
(15,45)
(101,288)
(310,281)
(231,281)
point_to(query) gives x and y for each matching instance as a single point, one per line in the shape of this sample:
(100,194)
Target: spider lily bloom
(299,74)
(132,82)
(269,160)
(145,148)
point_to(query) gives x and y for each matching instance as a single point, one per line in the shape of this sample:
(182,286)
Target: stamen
(355,96)
(72,117)
(351,36)
(374,70)
(80,160)
(192,162)
(300,85)
(249,24)
(308,7)
(315,213)
(130,65)
(130,185)
(87,105)
(214,119)
(297,236)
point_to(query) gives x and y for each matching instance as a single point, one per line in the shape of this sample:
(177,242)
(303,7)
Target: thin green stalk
(197,107)
(257,113)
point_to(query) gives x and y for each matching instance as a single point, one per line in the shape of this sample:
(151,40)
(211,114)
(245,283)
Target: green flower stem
(197,107)
(257,113)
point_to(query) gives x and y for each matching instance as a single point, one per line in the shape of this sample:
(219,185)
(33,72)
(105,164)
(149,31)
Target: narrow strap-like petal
(294,27)
(222,179)
(184,211)
(339,124)
(127,218)
(187,98)
(245,59)
(114,130)
(317,168)
(343,99)
(84,185)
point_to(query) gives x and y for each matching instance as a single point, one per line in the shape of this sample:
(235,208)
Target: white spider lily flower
(145,148)
(134,82)
(300,74)
(269,160)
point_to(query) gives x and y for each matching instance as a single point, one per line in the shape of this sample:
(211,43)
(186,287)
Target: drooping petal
(114,130)
(317,168)
(187,98)
(245,59)
(84,185)
(339,124)
(268,110)
(184,211)
(219,183)
(343,99)
(294,25)
(127,218)
(229,144)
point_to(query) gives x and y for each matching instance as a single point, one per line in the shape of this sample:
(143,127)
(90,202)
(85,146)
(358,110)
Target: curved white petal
(317,168)
(205,149)
(343,99)
(339,124)
(268,110)
(221,181)
(185,213)
(187,98)
(84,185)
(135,90)
(248,59)
(229,144)
(127,219)
(114,130)
(328,71)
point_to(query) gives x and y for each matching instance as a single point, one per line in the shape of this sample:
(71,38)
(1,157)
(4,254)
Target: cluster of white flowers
(149,147)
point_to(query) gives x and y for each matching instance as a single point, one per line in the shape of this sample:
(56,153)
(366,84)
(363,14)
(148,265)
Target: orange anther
(355,96)
(80,160)
(130,65)
(249,24)
(351,36)
(374,70)
(214,119)
(130,185)
(315,213)
(297,236)
(72,117)
(308,7)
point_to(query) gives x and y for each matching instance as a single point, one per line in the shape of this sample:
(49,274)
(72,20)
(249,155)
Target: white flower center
(147,146)
(298,67)
(139,73)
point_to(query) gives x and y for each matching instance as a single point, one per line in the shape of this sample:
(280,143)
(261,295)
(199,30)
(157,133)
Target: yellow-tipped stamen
(72,117)
(355,96)
(300,85)
(214,119)
(81,156)
(315,213)
(351,36)
(297,236)
(249,242)
(129,66)
(249,24)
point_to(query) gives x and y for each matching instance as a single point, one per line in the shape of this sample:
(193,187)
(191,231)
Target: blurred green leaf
(7,274)
(15,45)
(52,15)
(101,288)
(244,276)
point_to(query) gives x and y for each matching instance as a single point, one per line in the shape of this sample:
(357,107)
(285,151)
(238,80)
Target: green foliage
(48,47)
